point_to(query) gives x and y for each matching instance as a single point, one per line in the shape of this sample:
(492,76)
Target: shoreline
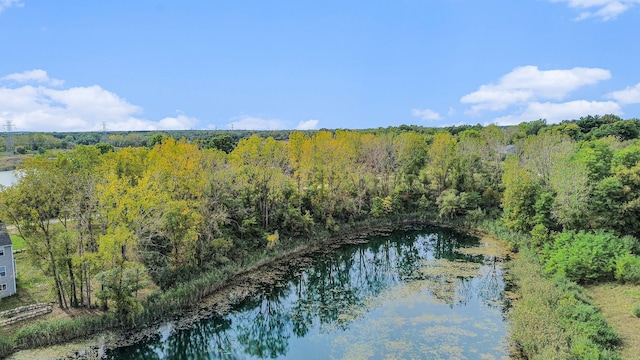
(235,289)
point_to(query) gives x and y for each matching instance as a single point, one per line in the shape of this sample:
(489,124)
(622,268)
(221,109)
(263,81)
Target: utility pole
(9,126)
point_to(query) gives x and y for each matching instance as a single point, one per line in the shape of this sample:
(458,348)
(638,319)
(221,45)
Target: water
(409,295)
(7,178)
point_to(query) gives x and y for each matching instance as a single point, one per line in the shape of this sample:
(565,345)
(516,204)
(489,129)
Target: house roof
(5,239)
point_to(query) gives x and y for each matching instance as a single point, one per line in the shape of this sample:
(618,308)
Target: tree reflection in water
(315,307)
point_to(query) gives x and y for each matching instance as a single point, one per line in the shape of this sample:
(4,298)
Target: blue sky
(156,64)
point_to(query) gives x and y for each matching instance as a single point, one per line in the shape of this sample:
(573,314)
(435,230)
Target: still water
(8,178)
(411,295)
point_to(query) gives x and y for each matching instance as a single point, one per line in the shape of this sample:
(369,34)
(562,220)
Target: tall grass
(515,240)
(6,347)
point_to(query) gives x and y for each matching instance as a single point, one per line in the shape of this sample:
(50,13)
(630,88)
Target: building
(7,264)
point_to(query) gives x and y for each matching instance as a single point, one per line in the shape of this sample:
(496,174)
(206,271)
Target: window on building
(1,251)
(3,287)
(3,271)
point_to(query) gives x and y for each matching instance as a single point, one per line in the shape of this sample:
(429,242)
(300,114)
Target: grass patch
(33,285)
(18,242)
(617,302)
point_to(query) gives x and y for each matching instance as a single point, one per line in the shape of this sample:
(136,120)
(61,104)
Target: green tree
(35,204)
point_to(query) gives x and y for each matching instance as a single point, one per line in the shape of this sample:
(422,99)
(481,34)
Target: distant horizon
(110,131)
(159,65)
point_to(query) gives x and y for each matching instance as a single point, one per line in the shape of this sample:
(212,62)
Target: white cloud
(528,83)
(255,123)
(180,122)
(426,114)
(43,108)
(630,95)
(556,112)
(310,124)
(34,76)
(5,4)
(604,9)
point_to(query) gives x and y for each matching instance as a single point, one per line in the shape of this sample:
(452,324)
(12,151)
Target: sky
(271,65)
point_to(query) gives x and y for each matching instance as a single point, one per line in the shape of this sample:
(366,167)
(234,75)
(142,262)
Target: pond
(414,294)
(8,178)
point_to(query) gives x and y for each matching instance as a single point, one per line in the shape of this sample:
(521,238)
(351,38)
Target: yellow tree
(442,154)
(412,149)
(130,210)
(177,177)
(325,167)
(261,164)
(295,149)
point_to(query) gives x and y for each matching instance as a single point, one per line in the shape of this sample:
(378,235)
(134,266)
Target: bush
(636,311)
(586,257)
(628,269)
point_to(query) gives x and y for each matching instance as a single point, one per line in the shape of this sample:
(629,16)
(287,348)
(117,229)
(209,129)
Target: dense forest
(116,212)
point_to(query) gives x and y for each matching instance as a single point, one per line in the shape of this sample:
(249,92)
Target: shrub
(636,311)
(586,257)
(539,235)
(628,269)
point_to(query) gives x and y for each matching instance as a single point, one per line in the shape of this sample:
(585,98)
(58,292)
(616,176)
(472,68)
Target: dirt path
(616,302)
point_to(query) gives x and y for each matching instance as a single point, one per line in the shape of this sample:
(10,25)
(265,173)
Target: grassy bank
(552,317)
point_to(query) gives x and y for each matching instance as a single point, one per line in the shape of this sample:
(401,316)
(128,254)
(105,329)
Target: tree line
(103,220)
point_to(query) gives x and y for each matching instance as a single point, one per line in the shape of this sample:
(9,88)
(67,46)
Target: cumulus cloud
(5,4)
(630,95)
(44,108)
(556,112)
(528,83)
(246,122)
(33,76)
(310,124)
(426,114)
(603,9)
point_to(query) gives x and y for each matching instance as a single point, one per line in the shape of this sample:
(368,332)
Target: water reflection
(407,295)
